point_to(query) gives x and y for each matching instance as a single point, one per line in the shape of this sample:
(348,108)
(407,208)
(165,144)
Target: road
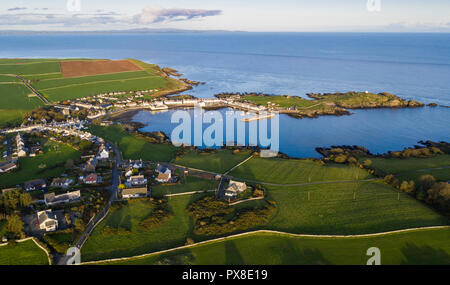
(113,197)
(25,82)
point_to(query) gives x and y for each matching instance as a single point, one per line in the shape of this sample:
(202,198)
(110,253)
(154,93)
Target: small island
(322,104)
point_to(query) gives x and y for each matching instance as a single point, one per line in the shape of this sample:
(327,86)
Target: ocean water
(413,66)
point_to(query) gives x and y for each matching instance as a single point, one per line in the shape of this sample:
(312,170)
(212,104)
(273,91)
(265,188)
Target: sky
(230,15)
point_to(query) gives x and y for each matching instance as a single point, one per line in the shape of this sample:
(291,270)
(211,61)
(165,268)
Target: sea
(410,65)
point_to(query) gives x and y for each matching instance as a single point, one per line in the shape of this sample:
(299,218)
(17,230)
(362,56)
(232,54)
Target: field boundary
(36,243)
(261,232)
(95,82)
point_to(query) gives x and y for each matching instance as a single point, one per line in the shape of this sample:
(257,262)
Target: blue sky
(243,15)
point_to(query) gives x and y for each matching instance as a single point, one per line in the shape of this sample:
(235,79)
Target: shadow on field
(181,257)
(232,254)
(424,255)
(292,254)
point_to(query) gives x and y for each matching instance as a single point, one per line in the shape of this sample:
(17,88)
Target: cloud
(420,26)
(28,19)
(17,9)
(153,14)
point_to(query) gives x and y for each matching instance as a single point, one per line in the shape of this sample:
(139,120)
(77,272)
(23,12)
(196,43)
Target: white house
(47,220)
(103,154)
(134,192)
(235,188)
(51,199)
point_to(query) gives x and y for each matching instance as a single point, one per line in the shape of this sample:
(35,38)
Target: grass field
(399,165)
(12,116)
(327,209)
(427,247)
(24,253)
(290,171)
(54,157)
(132,147)
(218,161)
(29,68)
(171,233)
(189,184)
(85,90)
(61,82)
(47,78)
(7,78)
(439,175)
(347,208)
(15,96)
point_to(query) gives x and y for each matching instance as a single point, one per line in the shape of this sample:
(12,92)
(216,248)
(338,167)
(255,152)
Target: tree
(14,225)
(342,158)
(367,163)
(122,186)
(408,187)
(25,199)
(85,145)
(426,182)
(79,225)
(69,164)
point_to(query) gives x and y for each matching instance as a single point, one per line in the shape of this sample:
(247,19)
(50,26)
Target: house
(90,165)
(129,171)
(235,188)
(137,180)
(134,192)
(103,153)
(7,166)
(47,221)
(37,184)
(61,182)
(91,179)
(69,197)
(132,163)
(4,191)
(164,176)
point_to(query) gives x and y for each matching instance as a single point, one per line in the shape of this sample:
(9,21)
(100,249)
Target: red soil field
(79,68)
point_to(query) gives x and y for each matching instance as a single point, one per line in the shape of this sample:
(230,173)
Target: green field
(439,175)
(13,116)
(29,68)
(54,157)
(217,161)
(94,88)
(284,102)
(291,171)
(7,78)
(15,96)
(171,233)
(46,77)
(44,84)
(23,253)
(400,165)
(189,184)
(132,147)
(427,247)
(347,208)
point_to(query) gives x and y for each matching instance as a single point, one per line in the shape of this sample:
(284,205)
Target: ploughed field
(65,79)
